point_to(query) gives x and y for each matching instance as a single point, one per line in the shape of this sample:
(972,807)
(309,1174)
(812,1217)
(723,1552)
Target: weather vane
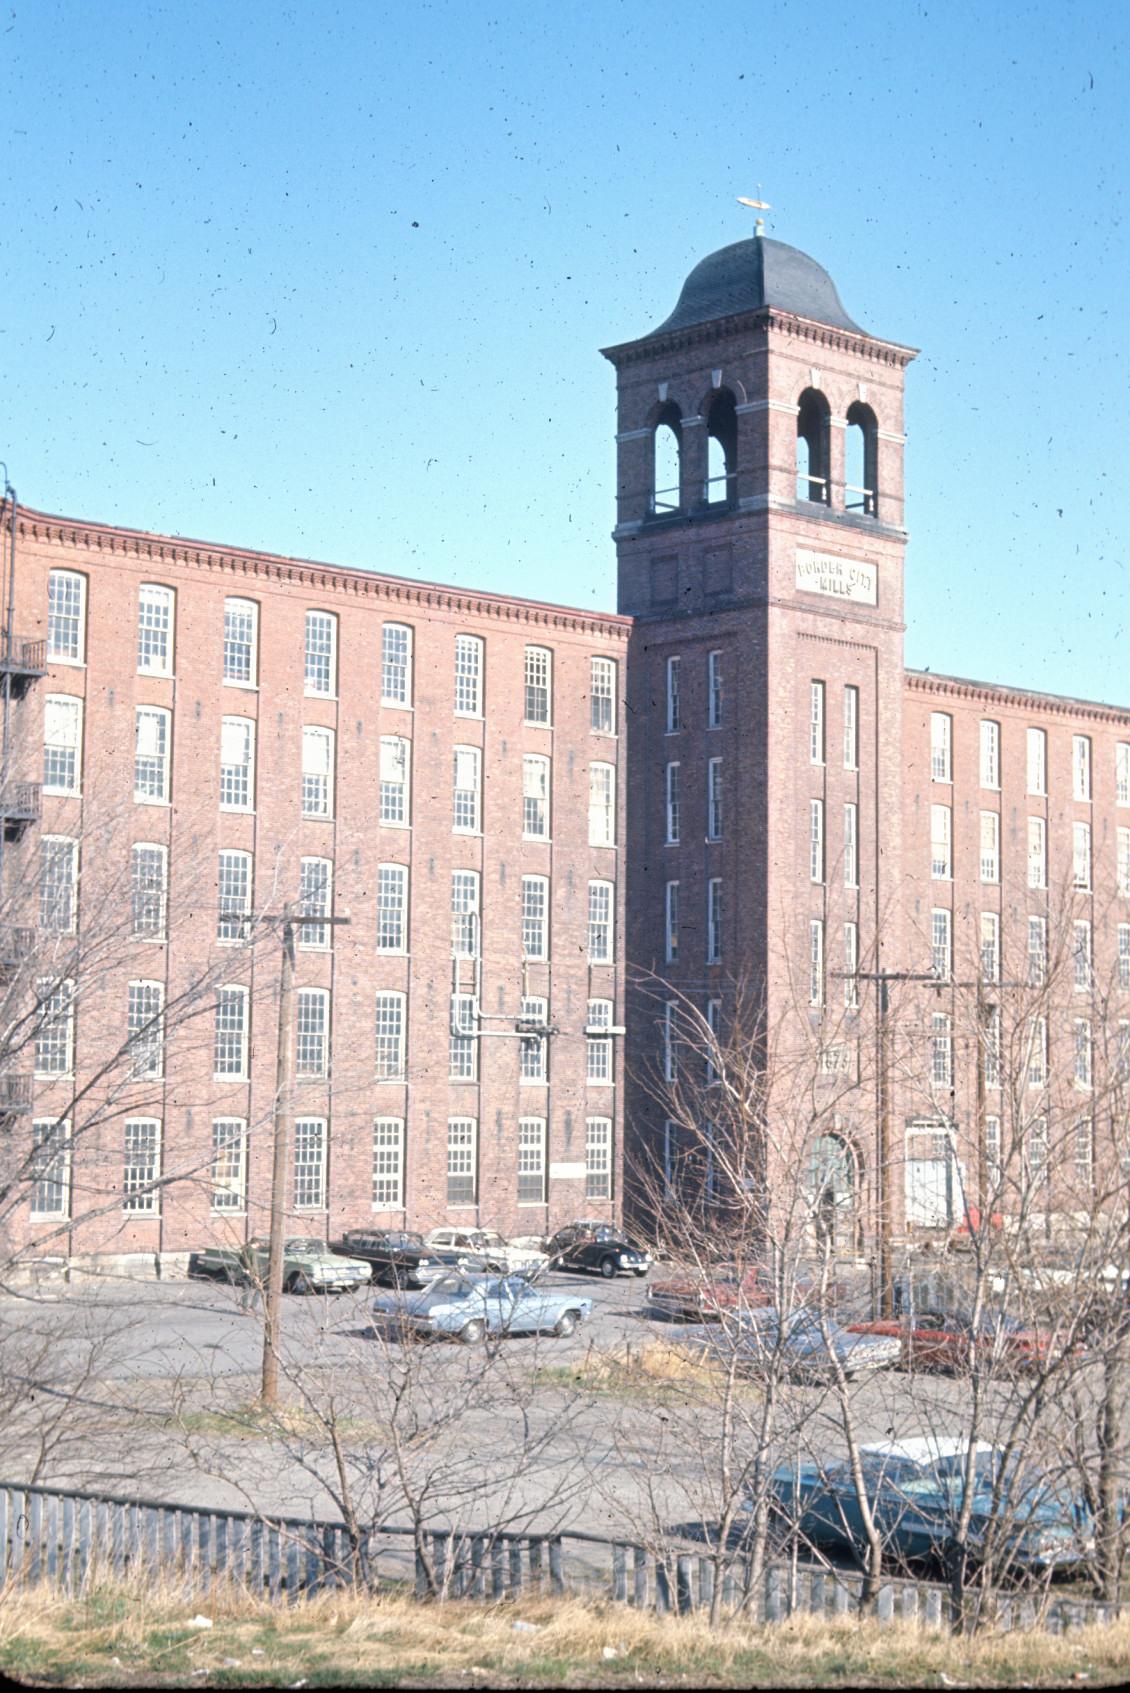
(757,206)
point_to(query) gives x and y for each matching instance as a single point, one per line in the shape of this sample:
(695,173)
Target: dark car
(399,1257)
(596,1246)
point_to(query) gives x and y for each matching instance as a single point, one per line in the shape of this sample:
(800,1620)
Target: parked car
(707,1291)
(485,1249)
(470,1307)
(309,1265)
(596,1246)
(937,1340)
(397,1257)
(915,1488)
(802,1345)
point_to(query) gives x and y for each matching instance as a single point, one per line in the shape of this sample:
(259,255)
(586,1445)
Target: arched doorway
(834,1185)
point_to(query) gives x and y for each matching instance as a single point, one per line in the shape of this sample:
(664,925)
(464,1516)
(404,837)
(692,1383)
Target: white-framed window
(714,799)
(233,883)
(941,842)
(462,1160)
(388,1164)
(1081,956)
(674,713)
(991,1046)
(237,764)
(1037,951)
(229,1164)
(1122,1053)
(317,772)
(390,1033)
(241,642)
(156,612)
(714,920)
(990,753)
(58,884)
(714,689)
(55,1028)
(990,946)
(1037,1051)
(466,808)
(671,923)
(816,840)
(66,617)
(598,1158)
(309,1163)
(230,1044)
(1084,1153)
(816,722)
(392,908)
(465,914)
(148,890)
(816,961)
(714,1025)
(538,683)
(535,797)
(602,696)
(941,746)
(1081,766)
(145,1029)
(468,676)
(598,1046)
(51,1167)
(602,805)
(851,726)
(671,1041)
(1122,862)
(535,917)
(1037,853)
(141,1170)
(62,744)
(463,1062)
(396,668)
(851,965)
(1037,761)
(1122,773)
(315,899)
(990,846)
(152,734)
(532,1048)
(993,1166)
(531,1161)
(941,943)
(1082,1033)
(672,802)
(851,845)
(941,1050)
(311,1051)
(1124,955)
(395,810)
(321,654)
(600,923)
(1081,854)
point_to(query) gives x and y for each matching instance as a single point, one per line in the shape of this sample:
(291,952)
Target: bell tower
(760,546)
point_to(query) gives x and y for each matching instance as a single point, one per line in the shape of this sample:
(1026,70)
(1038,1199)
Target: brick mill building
(734,785)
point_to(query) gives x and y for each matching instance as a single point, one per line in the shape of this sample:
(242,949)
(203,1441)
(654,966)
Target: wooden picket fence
(71,1538)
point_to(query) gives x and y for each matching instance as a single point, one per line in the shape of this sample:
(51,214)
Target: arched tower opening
(861,474)
(813,454)
(722,449)
(667,460)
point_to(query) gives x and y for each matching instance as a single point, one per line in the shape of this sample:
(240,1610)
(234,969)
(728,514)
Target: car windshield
(452,1287)
(489,1237)
(306,1243)
(403,1237)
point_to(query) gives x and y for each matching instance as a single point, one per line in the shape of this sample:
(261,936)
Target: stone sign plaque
(840,578)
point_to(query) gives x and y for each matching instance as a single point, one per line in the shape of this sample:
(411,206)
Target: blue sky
(330,279)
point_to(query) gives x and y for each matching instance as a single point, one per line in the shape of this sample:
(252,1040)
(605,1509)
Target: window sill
(49,1077)
(237,810)
(329,699)
(68,663)
(469,716)
(156,676)
(245,687)
(317,817)
(535,723)
(543,840)
(468,834)
(159,804)
(62,793)
(381,824)
(396,705)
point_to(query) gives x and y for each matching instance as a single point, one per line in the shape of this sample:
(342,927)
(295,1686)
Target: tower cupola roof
(752,274)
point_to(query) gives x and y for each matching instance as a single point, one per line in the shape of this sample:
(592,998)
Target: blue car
(915,1489)
(469,1307)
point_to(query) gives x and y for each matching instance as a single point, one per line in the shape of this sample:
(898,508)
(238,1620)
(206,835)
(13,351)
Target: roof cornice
(999,693)
(760,322)
(106,538)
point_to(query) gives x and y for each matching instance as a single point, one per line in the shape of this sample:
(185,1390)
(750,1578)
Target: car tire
(608,1268)
(296,1283)
(565,1324)
(471,1333)
(639,1272)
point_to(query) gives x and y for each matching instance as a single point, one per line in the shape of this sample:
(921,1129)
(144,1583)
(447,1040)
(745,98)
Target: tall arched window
(665,492)
(721,449)
(861,476)
(812,457)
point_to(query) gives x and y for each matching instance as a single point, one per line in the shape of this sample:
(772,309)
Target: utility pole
(985,1009)
(288,921)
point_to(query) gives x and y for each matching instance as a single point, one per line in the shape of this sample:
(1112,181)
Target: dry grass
(122,1637)
(283,1422)
(654,1369)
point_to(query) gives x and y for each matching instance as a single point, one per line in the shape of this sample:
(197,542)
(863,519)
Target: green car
(308,1265)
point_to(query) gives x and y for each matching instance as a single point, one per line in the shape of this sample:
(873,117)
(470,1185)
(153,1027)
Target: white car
(487,1245)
